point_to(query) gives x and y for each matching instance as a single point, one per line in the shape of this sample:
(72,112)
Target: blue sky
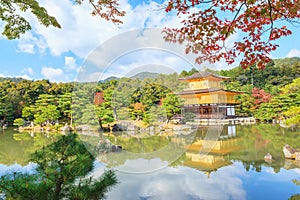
(59,54)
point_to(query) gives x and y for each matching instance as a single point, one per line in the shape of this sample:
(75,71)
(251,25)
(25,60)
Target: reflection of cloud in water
(297,171)
(4,169)
(142,165)
(180,183)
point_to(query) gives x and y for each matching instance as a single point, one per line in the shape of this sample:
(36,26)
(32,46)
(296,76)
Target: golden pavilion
(207,97)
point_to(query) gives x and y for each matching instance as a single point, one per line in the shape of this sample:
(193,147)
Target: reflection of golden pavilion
(221,147)
(208,155)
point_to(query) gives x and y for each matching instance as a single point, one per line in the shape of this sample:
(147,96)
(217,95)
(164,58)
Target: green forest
(269,94)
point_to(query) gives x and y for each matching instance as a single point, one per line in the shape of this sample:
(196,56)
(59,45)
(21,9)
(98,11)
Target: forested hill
(13,79)
(271,93)
(277,73)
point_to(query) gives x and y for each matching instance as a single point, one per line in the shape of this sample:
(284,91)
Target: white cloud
(181,183)
(27,48)
(24,76)
(70,62)
(28,70)
(125,53)
(293,53)
(31,44)
(81,32)
(53,74)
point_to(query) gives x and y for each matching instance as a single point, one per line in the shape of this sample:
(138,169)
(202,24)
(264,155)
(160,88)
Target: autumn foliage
(207,30)
(107,9)
(260,96)
(98,98)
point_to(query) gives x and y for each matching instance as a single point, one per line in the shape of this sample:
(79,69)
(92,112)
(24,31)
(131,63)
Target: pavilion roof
(197,91)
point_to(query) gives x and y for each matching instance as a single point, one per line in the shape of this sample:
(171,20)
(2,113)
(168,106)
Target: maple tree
(208,29)
(260,96)
(106,9)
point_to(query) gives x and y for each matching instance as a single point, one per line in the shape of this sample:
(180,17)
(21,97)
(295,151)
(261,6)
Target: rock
(2,196)
(290,152)
(82,128)
(268,156)
(297,154)
(103,146)
(117,127)
(182,128)
(115,148)
(66,128)
(106,146)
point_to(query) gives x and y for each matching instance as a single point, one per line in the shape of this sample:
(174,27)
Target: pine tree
(61,173)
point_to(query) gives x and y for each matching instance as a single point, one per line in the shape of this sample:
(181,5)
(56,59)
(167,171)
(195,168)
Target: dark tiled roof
(203,74)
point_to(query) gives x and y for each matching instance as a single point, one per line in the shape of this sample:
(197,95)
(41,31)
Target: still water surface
(207,163)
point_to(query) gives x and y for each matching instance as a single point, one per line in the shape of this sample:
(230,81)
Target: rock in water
(268,156)
(297,156)
(290,152)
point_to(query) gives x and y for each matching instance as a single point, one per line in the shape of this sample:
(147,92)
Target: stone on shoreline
(291,153)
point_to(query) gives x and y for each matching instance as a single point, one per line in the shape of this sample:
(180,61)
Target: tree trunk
(3,122)
(100,123)
(71,120)
(115,113)
(168,120)
(58,186)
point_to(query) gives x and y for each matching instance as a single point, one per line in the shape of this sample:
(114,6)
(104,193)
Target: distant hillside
(109,78)
(143,75)
(13,79)
(278,72)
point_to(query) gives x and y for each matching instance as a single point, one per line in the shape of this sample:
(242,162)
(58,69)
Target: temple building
(206,96)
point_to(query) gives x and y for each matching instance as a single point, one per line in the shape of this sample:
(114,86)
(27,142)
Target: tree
(260,96)
(244,105)
(207,30)
(64,105)
(19,122)
(6,103)
(28,113)
(293,116)
(46,109)
(46,114)
(138,110)
(61,174)
(104,115)
(293,112)
(15,23)
(286,102)
(172,105)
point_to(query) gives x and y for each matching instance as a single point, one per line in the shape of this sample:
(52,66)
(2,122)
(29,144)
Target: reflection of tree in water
(140,145)
(260,139)
(248,144)
(15,147)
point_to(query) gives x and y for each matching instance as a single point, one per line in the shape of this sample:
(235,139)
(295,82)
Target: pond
(210,162)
